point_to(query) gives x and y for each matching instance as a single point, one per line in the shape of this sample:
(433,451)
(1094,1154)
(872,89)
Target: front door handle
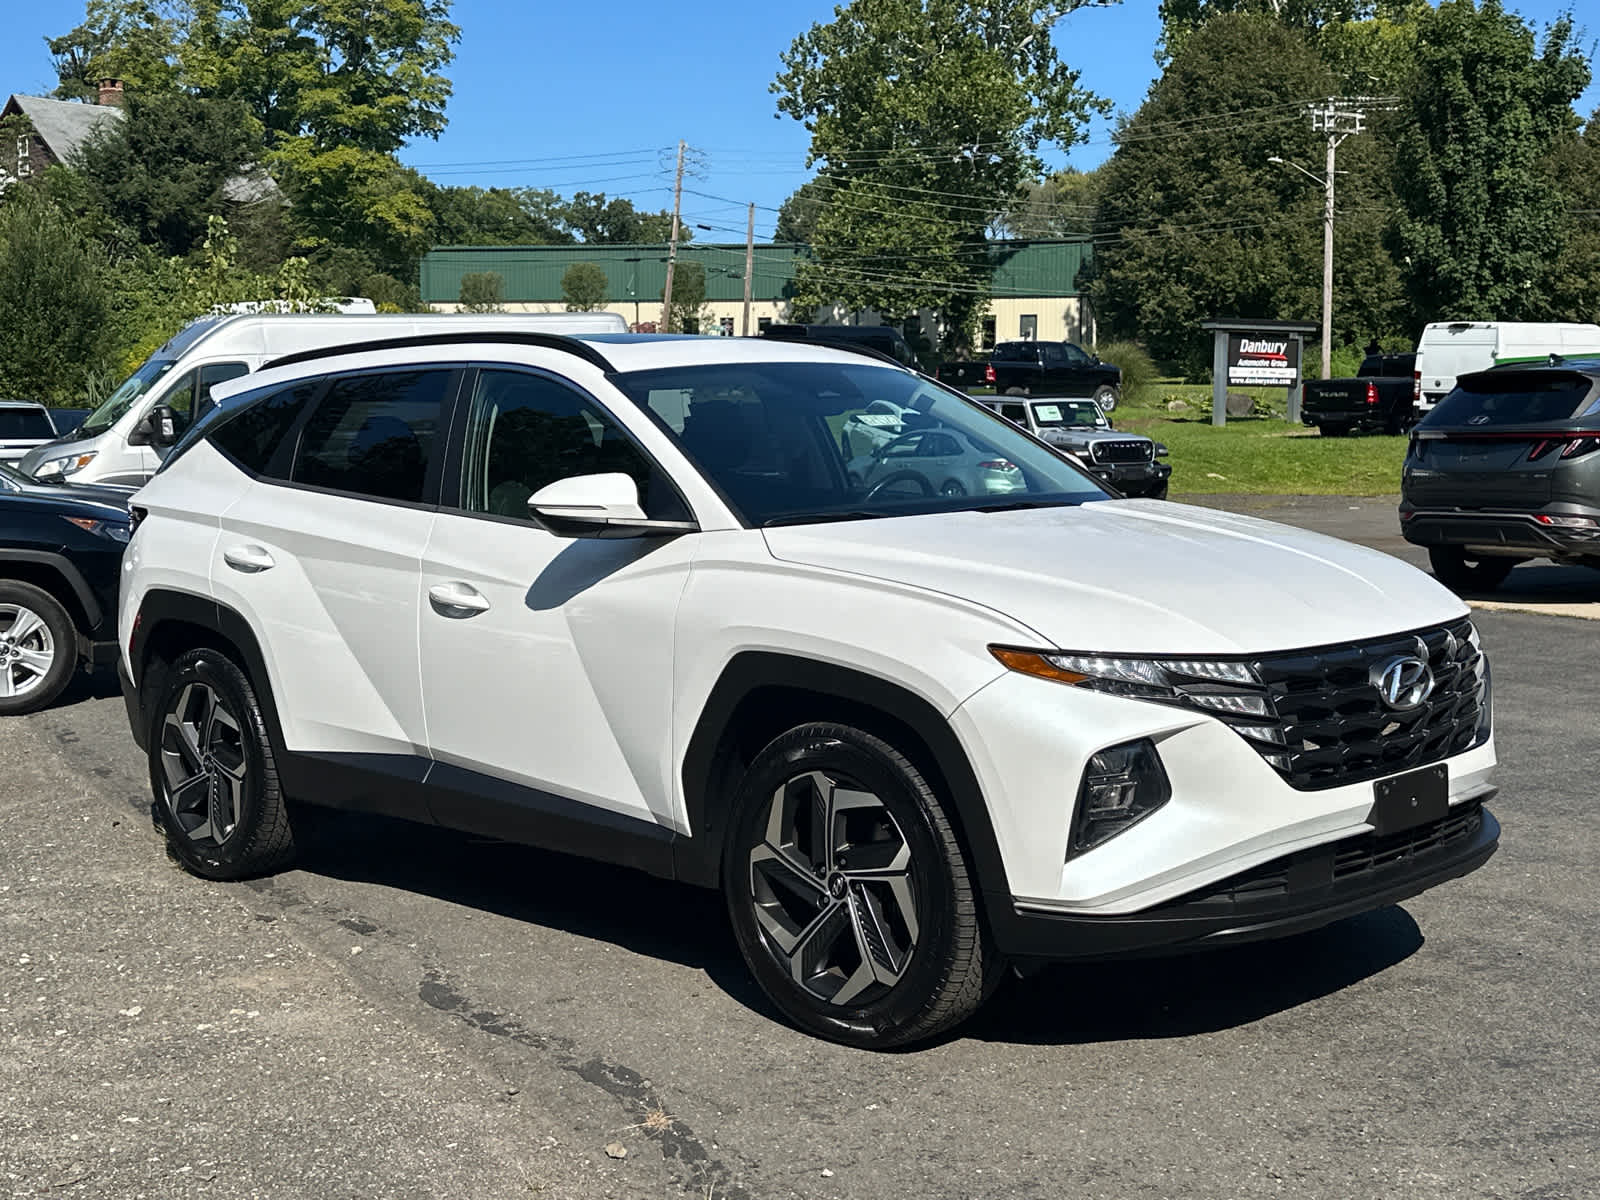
(457,599)
(249,559)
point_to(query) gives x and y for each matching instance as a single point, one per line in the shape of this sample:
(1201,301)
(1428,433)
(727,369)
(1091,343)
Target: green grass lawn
(1259,455)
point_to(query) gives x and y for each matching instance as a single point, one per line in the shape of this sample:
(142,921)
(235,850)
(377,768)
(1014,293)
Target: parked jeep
(1126,461)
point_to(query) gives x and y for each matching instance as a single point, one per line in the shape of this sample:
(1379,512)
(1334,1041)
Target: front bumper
(1298,892)
(1503,531)
(1132,479)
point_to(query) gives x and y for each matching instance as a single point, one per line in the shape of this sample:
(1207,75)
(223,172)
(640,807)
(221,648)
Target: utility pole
(1337,120)
(749,265)
(672,247)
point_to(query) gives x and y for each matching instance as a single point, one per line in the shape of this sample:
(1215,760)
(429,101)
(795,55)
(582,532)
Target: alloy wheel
(832,888)
(27,650)
(203,765)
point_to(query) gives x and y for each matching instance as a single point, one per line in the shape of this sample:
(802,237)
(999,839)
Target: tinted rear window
(1513,401)
(25,423)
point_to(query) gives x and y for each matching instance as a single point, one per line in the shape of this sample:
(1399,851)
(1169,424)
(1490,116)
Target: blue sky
(594,96)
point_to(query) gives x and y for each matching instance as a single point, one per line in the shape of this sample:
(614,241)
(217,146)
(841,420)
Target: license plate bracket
(1406,801)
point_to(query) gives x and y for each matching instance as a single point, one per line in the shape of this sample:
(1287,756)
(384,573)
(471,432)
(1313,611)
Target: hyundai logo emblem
(1403,683)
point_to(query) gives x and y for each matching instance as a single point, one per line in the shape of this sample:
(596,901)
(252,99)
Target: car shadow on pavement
(1061,1005)
(1204,992)
(640,913)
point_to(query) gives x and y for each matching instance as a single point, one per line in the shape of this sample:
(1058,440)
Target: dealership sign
(1263,360)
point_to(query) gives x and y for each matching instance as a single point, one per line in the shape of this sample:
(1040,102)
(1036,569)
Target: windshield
(1084,414)
(121,400)
(25,423)
(790,443)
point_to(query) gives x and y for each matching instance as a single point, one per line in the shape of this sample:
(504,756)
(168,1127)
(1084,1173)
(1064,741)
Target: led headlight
(61,468)
(1122,785)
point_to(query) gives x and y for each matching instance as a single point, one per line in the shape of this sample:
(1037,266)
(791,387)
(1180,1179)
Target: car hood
(1138,576)
(59,448)
(1061,435)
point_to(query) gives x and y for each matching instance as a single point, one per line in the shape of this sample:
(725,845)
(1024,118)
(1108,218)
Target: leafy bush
(1138,369)
(583,286)
(483,291)
(1346,362)
(55,309)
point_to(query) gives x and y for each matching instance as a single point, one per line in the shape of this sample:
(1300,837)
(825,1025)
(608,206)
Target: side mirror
(156,428)
(598,506)
(1161,451)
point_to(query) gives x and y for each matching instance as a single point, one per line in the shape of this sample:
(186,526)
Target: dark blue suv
(60,559)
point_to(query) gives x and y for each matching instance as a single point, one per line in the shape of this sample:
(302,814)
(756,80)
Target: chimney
(111,93)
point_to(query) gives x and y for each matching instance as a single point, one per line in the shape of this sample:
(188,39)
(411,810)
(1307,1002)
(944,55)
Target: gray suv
(1506,468)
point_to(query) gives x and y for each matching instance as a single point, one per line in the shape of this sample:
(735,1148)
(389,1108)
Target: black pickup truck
(1378,399)
(1039,368)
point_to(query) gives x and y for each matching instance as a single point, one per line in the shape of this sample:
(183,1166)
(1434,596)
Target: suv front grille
(1326,724)
(1121,451)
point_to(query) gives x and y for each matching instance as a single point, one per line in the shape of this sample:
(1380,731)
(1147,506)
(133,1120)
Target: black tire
(1106,397)
(225,768)
(952,487)
(38,648)
(941,964)
(1459,571)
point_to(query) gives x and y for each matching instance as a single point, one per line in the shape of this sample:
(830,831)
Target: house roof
(63,125)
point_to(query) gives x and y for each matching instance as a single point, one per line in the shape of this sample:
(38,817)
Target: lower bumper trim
(1312,894)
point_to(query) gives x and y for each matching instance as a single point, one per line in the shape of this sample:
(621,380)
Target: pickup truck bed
(1377,400)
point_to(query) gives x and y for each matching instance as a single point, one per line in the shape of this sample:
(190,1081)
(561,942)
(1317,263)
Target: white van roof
(273,335)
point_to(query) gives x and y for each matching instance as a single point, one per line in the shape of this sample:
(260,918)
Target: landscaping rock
(1240,403)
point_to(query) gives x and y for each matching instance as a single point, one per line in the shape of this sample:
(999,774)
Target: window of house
(24,156)
(989,333)
(375,435)
(763,324)
(727,326)
(1028,328)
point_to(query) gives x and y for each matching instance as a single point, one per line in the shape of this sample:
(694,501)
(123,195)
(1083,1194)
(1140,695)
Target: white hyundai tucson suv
(618,596)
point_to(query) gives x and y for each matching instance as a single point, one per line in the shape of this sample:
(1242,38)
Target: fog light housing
(1122,785)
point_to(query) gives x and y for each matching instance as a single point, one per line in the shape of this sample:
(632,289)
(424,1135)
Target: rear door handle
(249,559)
(457,599)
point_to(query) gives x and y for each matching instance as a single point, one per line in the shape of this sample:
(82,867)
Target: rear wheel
(952,487)
(38,648)
(1457,569)
(213,772)
(1106,397)
(849,893)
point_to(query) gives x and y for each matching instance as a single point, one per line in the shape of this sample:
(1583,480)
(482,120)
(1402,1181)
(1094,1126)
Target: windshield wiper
(826,514)
(1014,505)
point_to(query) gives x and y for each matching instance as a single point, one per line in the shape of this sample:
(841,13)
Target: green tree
(594,219)
(161,170)
(1195,222)
(130,40)
(54,304)
(482,291)
(584,286)
(1485,106)
(926,117)
(473,216)
(1061,206)
(688,297)
(1572,281)
(797,215)
(1179,18)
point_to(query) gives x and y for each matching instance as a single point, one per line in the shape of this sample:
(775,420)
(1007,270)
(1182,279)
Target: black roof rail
(548,341)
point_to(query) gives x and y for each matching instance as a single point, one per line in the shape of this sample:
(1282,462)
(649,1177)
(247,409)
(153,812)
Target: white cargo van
(115,443)
(1452,348)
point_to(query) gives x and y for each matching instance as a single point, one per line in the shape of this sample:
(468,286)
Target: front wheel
(1456,569)
(849,894)
(1106,397)
(213,772)
(38,648)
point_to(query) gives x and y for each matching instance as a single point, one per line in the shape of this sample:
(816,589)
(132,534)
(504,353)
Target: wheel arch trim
(699,855)
(73,577)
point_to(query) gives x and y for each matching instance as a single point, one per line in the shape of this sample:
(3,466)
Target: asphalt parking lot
(414,1013)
